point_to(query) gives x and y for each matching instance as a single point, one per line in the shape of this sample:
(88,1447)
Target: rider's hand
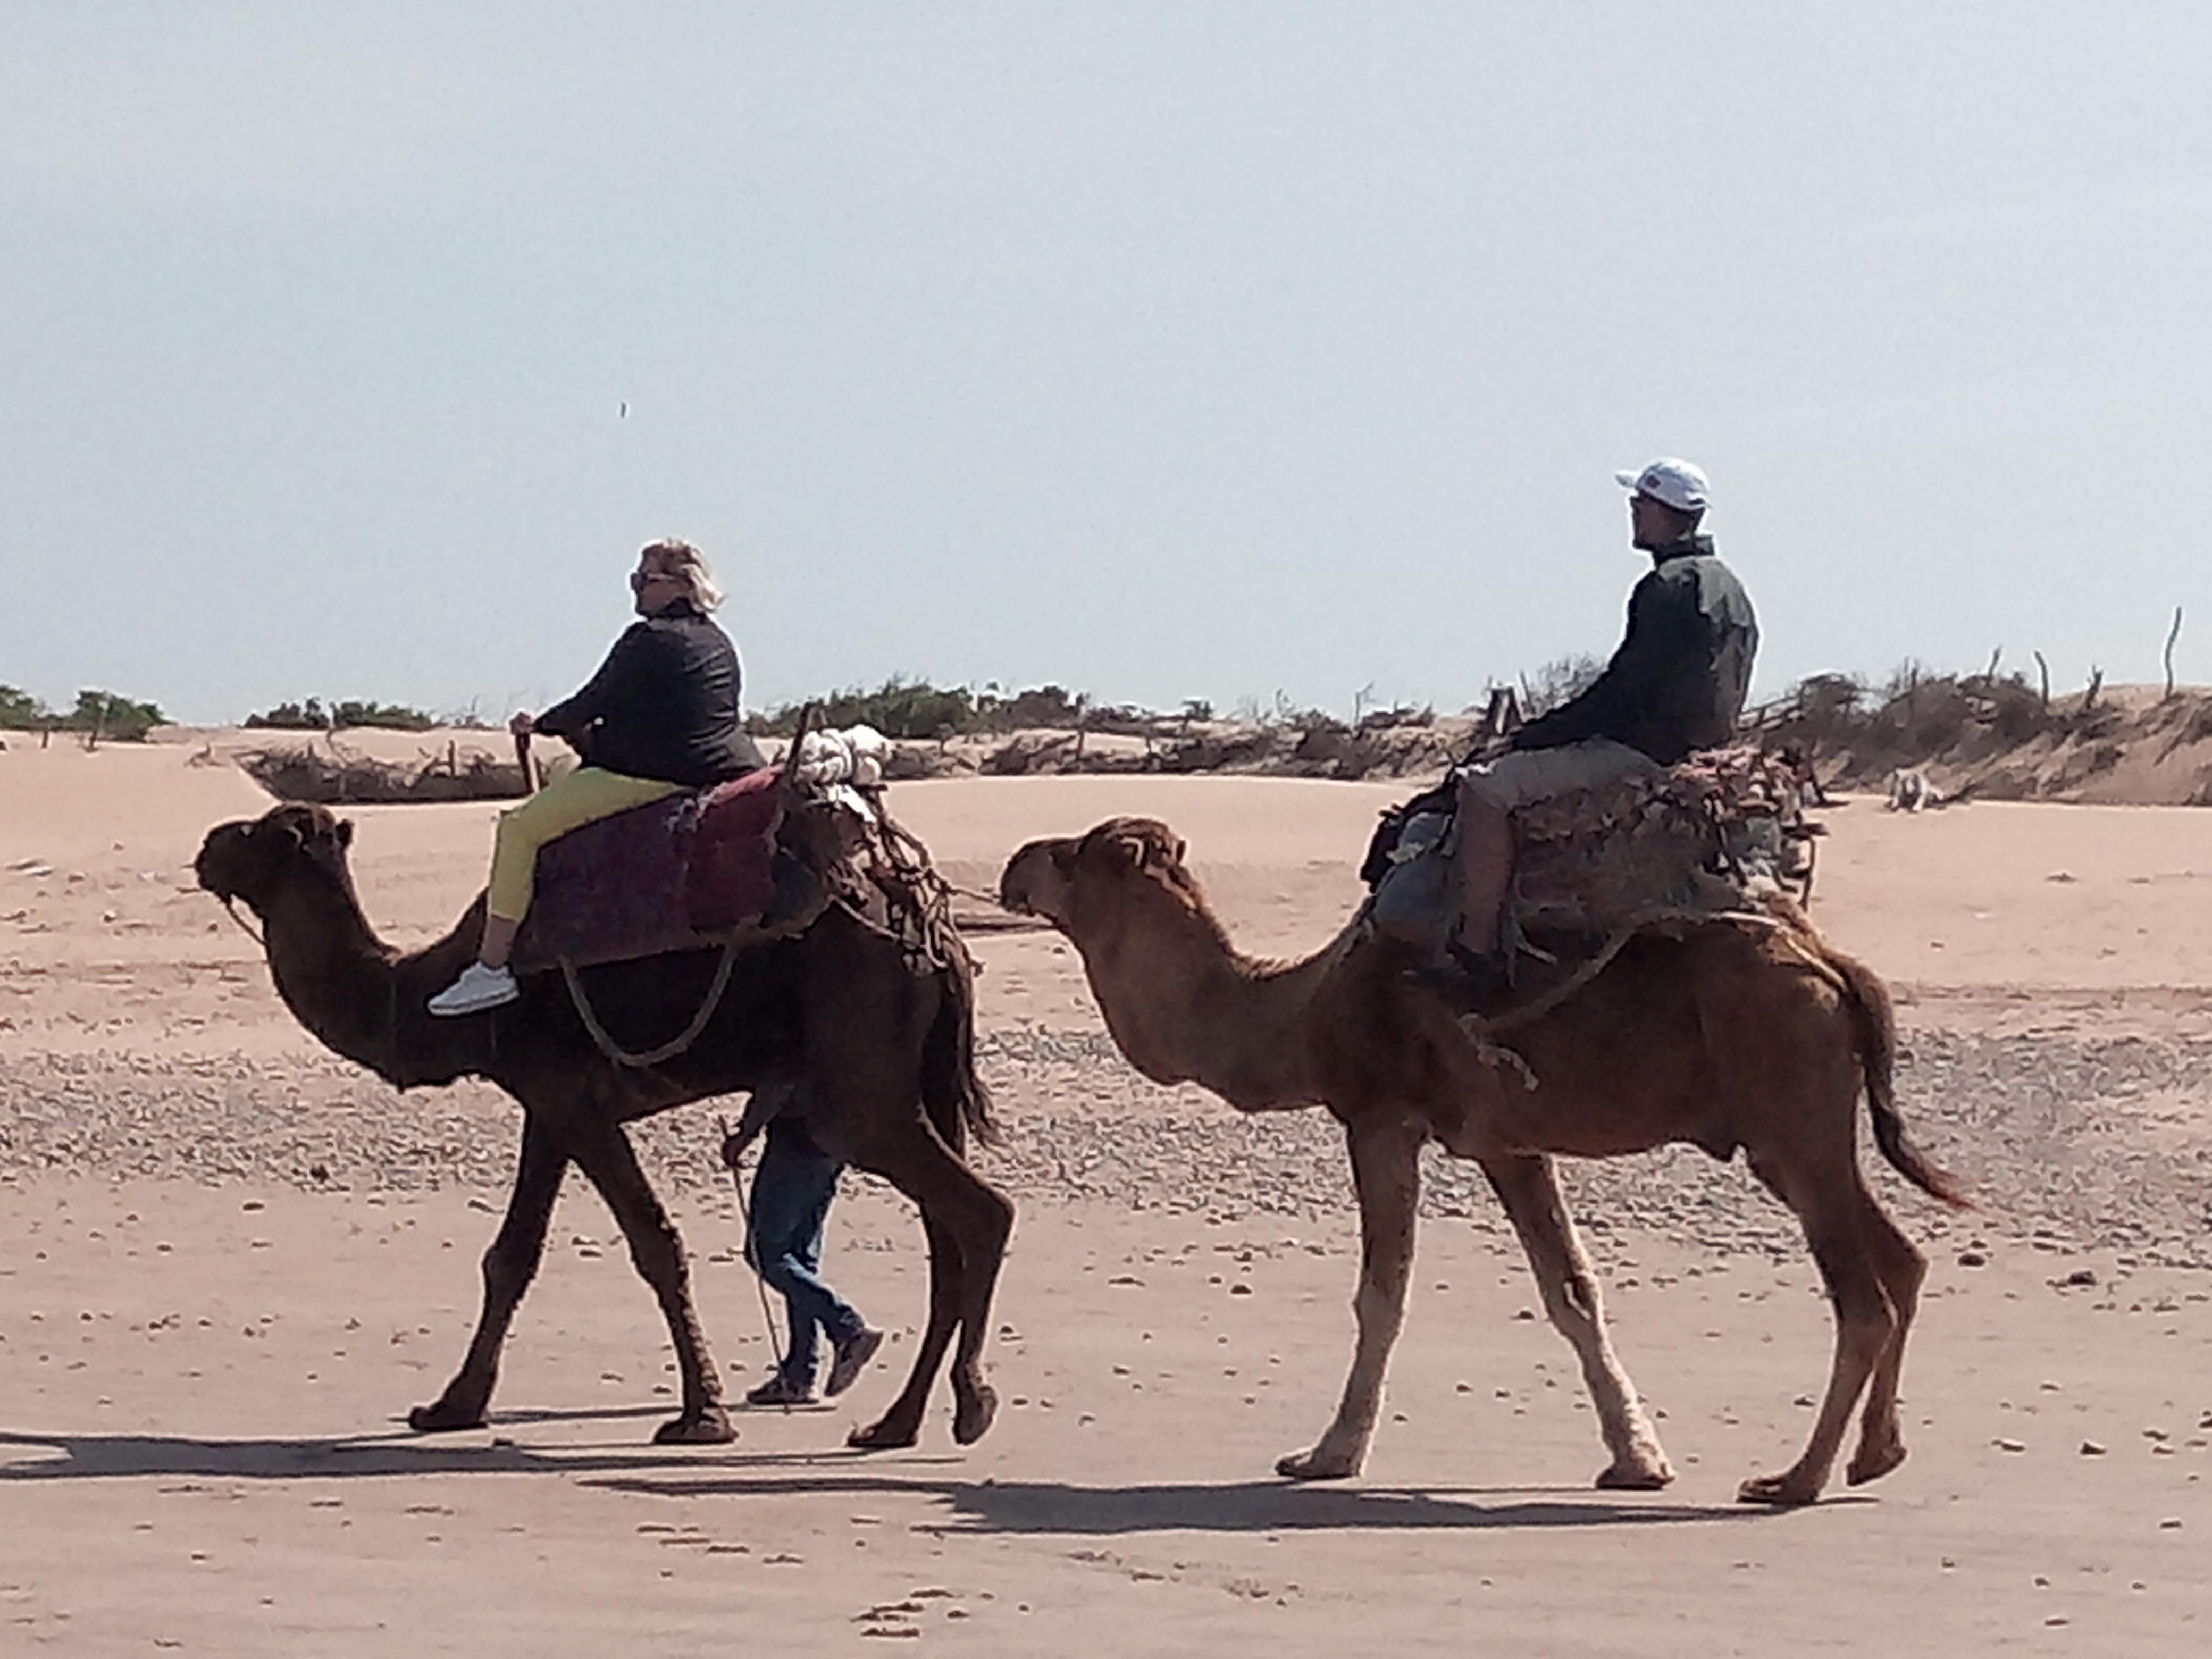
(522,725)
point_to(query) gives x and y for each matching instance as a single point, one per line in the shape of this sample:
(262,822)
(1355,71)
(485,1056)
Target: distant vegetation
(312,716)
(98,715)
(900,708)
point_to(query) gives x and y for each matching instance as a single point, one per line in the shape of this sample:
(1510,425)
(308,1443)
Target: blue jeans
(791,1195)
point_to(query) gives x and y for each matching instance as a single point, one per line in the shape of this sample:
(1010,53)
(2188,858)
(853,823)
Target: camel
(884,1053)
(1727,1036)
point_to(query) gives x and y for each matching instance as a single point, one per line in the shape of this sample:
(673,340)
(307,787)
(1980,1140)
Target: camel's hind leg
(1386,1168)
(1530,1190)
(1902,1268)
(900,1425)
(509,1264)
(1841,1222)
(968,1222)
(603,1151)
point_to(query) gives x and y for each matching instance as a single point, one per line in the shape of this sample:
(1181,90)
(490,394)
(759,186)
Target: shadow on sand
(1043,1507)
(970,1507)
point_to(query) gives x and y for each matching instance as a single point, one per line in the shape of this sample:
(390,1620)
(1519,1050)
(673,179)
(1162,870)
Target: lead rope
(668,1050)
(732,1160)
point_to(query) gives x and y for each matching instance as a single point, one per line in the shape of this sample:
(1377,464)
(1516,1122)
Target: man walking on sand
(790,1204)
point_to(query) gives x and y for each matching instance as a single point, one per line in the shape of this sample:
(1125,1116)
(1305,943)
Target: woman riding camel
(660,716)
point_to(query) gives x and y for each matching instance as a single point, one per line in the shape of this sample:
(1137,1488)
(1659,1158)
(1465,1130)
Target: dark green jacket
(1678,681)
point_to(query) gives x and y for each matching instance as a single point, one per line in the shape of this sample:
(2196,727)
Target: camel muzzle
(1030,869)
(217,867)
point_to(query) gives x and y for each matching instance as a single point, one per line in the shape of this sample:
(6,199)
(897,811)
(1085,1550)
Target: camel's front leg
(509,1264)
(603,1151)
(1530,1190)
(1386,1168)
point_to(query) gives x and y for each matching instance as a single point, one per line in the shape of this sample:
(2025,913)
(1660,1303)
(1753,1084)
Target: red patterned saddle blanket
(681,873)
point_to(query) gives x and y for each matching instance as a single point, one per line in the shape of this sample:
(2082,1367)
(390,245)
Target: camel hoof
(885,1436)
(1872,1462)
(972,1414)
(1316,1465)
(1637,1475)
(710,1427)
(443,1418)
(1782,1491)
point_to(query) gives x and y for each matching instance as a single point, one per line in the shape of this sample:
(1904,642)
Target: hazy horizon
(1160,352)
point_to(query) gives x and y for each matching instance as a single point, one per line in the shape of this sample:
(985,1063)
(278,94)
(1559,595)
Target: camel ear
(1182,850)
(345,832)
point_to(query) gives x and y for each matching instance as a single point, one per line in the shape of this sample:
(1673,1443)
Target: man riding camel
(1676,685)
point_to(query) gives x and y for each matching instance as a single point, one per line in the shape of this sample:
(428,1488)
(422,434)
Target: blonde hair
(688,565)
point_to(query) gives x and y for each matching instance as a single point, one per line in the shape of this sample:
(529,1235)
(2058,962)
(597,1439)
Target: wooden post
(2172,634)
(526,758)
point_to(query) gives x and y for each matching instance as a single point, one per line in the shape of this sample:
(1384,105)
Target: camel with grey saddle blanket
(1710,838)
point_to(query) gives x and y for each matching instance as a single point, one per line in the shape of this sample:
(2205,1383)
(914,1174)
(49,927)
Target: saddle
(1719,830)
(703,868)
(1715,833)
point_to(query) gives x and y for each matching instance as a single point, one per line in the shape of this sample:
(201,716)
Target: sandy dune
(204,1350)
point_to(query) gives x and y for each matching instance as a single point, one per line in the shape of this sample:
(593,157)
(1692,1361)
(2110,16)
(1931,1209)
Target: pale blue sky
(1161,350)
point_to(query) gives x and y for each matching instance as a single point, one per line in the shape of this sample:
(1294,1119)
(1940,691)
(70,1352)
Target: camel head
(1073,878)
(252,859)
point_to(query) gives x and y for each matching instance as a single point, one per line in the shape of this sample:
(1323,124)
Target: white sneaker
(478,988)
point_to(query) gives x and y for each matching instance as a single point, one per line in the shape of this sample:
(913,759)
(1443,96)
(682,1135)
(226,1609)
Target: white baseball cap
(1676,483)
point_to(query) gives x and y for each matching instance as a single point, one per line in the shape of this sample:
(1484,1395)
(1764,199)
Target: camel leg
(1834,1209)
(509,1264)
(1902,1268)
(988,1220)
(603,1151)
(900,1427)
(1386,1168)
(1530,1189)
(968,1222)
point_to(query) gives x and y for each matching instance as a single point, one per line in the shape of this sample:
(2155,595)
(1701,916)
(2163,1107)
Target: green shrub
(312,716)
(116,719)
(21,712)
(899,707)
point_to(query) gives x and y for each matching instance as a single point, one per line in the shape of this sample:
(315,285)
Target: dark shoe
(852,1356)
(781,1390)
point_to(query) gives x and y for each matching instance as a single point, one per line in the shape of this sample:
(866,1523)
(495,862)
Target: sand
(228,1263)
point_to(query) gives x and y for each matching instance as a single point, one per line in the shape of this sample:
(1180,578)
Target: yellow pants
(583,796)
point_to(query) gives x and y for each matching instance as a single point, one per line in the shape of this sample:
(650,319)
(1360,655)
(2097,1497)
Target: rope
(1482,1028)
(668,1050)
(230,909)
(732,1160)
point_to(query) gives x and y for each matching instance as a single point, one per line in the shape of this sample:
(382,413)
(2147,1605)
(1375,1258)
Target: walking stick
(526,758)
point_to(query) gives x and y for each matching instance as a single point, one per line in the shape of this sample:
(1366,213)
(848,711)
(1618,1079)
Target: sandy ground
(206,1348)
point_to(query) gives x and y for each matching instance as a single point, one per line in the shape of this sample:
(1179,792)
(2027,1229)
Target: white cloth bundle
(854,755)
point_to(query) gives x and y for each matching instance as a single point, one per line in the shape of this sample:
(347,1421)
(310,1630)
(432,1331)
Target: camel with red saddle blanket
(852,986)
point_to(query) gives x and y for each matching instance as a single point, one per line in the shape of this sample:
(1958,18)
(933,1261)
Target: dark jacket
(1678,681)
(664,705)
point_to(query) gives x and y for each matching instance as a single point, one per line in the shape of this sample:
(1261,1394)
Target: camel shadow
(1033,1508)
(400,1453)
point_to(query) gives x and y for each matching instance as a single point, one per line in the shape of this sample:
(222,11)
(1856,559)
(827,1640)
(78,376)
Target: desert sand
(229,1262)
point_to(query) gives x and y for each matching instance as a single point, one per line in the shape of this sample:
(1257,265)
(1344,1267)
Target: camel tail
(953,1090)
(1874,1027)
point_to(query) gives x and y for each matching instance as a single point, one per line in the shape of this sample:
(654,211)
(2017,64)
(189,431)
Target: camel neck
(360,997)
(1185,1005)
